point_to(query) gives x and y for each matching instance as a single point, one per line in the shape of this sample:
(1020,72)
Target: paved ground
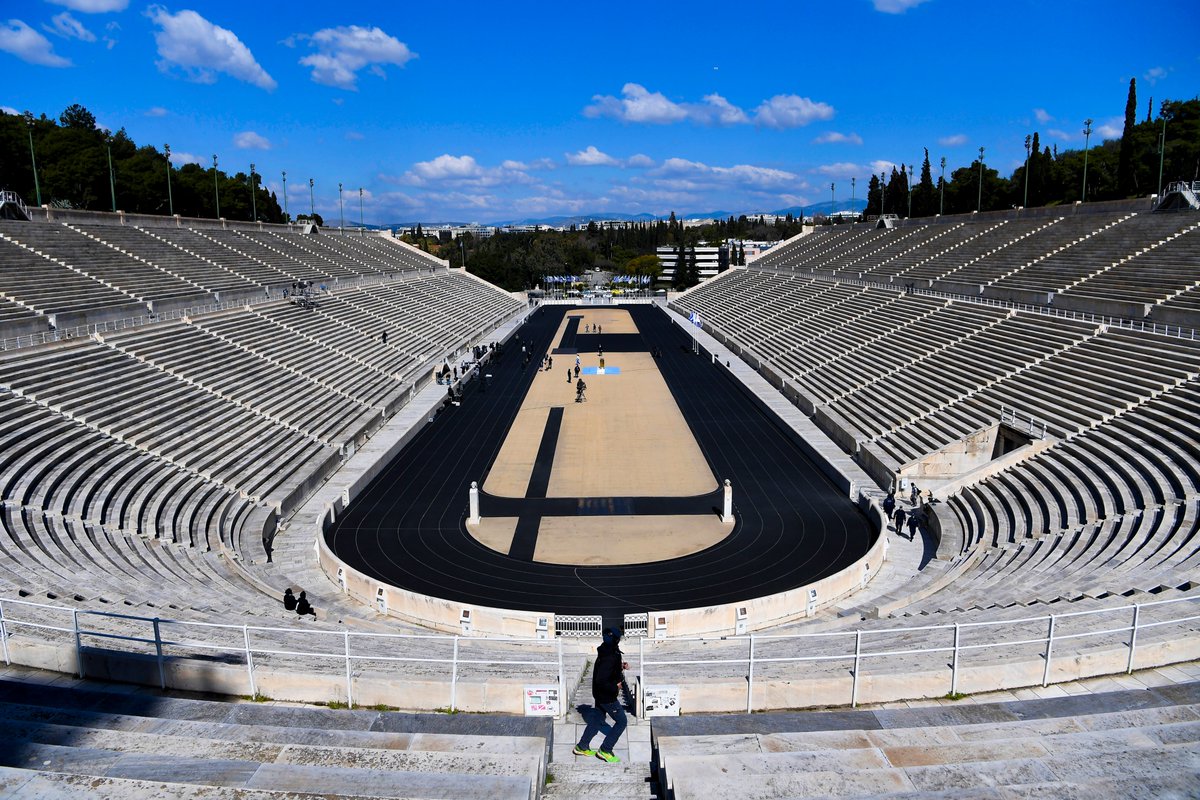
(793,525)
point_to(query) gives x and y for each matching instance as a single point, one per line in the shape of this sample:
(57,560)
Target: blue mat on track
(596,370)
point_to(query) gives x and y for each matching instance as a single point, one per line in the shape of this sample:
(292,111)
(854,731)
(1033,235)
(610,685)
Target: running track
(793,526)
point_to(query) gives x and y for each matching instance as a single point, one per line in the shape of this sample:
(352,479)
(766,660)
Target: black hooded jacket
(607,672)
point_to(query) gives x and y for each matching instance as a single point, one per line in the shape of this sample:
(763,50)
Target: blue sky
(500,111)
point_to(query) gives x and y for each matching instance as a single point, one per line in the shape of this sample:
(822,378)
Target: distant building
(708,261)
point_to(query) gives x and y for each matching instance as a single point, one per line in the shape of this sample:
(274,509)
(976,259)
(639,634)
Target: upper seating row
(1121,263)
(74,274)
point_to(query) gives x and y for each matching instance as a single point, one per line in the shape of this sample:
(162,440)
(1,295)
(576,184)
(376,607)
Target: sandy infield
(609,541)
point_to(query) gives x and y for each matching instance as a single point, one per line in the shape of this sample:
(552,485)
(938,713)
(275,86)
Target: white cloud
(1042,115)
(249,140)
(156,111)
(68,27)
(460,171)
(1154,75)
(953,140)
(526,166)
(637,105)
(92,6)
(843,169)
(1111,128)
(639,160)
(591,157)
(179,159)
(343,51)
(896,6)
(10,110)
(112,28)
(1059,134)
(354,136)
(834,137)
(203,49)
(718,110)
(696,173)
(883,166)
(790,111)
(28,45)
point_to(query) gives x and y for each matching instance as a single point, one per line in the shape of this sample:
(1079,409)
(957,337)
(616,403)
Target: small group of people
(895,512)
(591,329)
(298,604)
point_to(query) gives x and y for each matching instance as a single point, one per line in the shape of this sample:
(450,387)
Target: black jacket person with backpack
(607,676)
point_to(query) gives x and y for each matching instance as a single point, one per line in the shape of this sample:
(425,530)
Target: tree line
(1119,168)
(73,155)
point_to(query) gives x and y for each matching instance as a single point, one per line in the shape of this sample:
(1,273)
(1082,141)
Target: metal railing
(1014,418)
(1014,641)
(167,640)
(856,654)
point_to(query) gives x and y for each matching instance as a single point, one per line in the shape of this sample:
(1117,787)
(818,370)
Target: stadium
(1059,536)
(897,497)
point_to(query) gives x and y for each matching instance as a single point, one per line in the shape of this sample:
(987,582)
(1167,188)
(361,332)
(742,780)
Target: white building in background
(708,261)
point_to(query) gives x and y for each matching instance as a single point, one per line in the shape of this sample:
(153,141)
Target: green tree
(925,199)
(1126,183)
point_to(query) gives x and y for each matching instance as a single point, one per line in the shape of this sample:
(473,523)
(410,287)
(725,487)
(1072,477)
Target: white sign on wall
(660,701)
(541,701)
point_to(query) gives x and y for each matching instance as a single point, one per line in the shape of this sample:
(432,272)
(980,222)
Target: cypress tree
(1126,180)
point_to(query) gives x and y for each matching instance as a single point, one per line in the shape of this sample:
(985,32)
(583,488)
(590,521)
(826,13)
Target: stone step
(278,734)
(528,765)
(239,773)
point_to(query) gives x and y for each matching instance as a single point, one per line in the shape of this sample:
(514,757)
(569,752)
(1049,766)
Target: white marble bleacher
(210,249)
(1153,269)
(125,398)
(294,249)
(105,263)
(249,248)
(942,239)
(242,377)
(345,369)
(1121,743)
(912,241)
(323,249)
(170,257)
(37,281)
(1095,248)
(398,255)
(1041,238)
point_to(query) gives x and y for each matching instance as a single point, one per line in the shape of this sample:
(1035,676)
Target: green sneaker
(583,751)
(609,757)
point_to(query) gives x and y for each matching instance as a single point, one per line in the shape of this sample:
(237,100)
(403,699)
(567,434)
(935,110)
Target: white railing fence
(322,652)
(1005,641)
(950,648)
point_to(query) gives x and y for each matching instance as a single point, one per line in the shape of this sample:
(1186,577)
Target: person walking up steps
(607,676)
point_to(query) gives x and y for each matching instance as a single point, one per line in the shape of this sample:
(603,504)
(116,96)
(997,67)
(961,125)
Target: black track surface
(793,526)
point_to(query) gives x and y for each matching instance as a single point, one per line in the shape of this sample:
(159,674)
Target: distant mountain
(581,220)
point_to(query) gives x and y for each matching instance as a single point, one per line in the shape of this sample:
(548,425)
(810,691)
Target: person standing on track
(607,676)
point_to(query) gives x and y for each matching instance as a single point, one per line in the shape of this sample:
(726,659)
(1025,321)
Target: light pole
(832,201)
(1087,138)
(37,187)
(253,202)
(1162,147)
(216,187)
(361,225)
(1025,204)
(312,208)
(112,181)
(942,189)
(286,217)
(462,247)
(170,198)
(979,201)
(341,210)
(882,192)
(852,180)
